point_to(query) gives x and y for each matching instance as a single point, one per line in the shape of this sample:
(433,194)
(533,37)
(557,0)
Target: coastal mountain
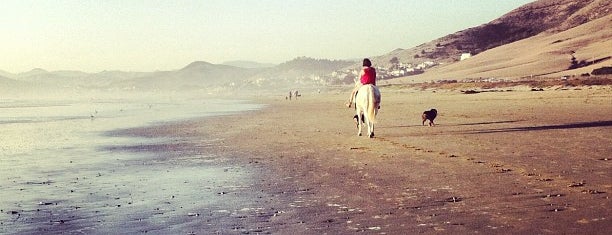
(9,86)
(301,71)
(6,82)
(304,66)
(196,75)
(572,52)
(200,75)
(6,74)
(544,17)
(248,64)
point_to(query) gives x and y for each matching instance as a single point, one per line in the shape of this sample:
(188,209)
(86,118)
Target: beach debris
(592,191)
(58,221)
(43,182)
(553,195)
(470,92)
(454,199)
(277,213)
(577,184)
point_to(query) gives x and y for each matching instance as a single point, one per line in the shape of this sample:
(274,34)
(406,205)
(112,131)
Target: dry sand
(497,162)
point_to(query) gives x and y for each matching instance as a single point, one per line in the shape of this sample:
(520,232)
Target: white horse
(367,102)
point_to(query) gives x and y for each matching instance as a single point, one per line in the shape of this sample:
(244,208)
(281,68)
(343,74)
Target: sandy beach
(504,162)
(520,162)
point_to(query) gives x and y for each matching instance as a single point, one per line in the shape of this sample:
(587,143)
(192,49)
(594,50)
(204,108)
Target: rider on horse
(366,76)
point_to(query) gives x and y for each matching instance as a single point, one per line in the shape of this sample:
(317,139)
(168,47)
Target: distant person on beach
(366,76)
(290,94)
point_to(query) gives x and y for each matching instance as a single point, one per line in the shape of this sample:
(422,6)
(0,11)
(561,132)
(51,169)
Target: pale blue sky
(148,35)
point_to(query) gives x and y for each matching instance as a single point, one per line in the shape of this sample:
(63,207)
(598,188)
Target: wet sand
(497,163)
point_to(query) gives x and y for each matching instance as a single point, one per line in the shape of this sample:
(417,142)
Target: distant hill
(544,16)
(4,81)
(301,71)
(248,64)
(196,75)
(548,54)
(12,86)
(306,64)
(6,74)
(32,73)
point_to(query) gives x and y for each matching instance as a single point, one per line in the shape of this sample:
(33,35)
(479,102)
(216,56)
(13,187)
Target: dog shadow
(543,128)
(399,126)
(462,124)
(485,123)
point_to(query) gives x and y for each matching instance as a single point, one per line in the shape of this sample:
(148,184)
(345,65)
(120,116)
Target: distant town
(396,69)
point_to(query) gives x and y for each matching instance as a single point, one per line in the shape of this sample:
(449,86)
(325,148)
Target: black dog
(429,115)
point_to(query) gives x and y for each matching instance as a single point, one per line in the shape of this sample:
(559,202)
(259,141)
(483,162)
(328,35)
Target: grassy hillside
(548,54)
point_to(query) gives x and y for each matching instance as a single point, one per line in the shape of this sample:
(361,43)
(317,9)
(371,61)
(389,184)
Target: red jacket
(369,76)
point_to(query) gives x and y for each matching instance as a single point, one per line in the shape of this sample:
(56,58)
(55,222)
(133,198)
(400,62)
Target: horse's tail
(373,101)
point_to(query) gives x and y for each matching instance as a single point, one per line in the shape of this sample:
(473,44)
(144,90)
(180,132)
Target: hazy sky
(148,35)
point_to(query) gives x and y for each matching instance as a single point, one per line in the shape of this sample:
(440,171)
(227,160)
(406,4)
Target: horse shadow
(543,128)
(400,126)
(461,124)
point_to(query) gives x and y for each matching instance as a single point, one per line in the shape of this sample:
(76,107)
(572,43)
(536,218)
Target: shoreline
(104,175)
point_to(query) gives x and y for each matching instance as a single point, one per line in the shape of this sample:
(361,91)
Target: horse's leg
(370,129)
(359,123)
(375,113)
(359,120)
(367,121)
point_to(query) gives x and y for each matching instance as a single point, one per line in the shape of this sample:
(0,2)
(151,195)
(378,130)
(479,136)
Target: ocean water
(59,174)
